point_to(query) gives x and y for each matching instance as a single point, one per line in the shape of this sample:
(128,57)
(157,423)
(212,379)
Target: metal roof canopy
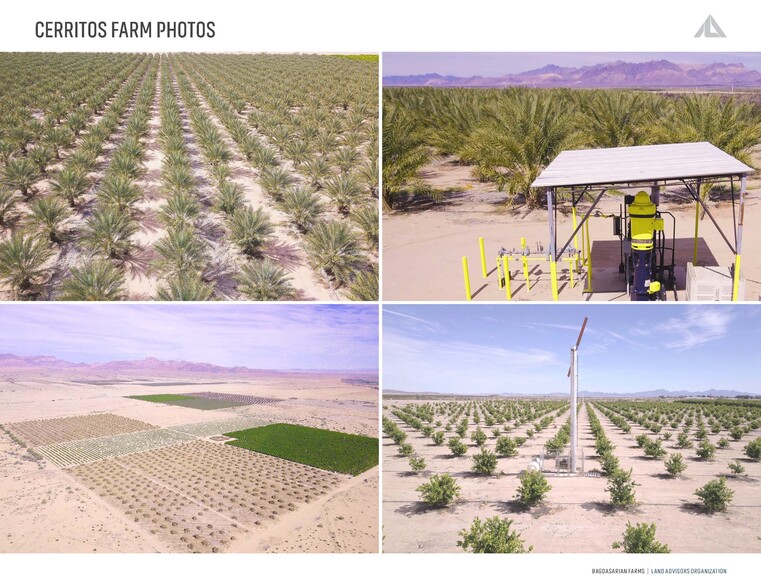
(641,164)
(688,164)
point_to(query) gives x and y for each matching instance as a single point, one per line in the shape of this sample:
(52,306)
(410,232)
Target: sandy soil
(575,517)
(422,248)
(47,510)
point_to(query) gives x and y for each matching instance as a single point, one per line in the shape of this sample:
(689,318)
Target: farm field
(161,478)
(459,163)
(576,514)
(327,450)
(197,402)
(188,177)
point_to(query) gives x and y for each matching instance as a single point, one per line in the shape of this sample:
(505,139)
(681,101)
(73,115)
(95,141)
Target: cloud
(698,325)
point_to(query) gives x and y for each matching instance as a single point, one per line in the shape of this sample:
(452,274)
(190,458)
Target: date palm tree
(22,261)
(47,215)
(302,207)
(404,152)
(317,169)
(615,118)
(263,279)
(21,174)
(181,251)
(119,192)
(250,230)
(95,279)
(334,250)
(365,285)
(41,156)
(367,218)
(8,202)
(344,190)
(108,231)
(177,178)
(185,287)
(70,183)
(229,198)
(180,210)
(275,180)
(58,138)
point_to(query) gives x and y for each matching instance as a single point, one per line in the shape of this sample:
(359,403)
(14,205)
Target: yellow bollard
(499,275)
(589,260)
(508,289)
(736,281)
(525,263)
(571,261)
(466,275)
(697,226)
(483,256)
(554,278)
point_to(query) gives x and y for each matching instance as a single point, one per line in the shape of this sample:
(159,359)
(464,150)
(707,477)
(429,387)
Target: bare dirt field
(423,245)
(84,468)
(576,516)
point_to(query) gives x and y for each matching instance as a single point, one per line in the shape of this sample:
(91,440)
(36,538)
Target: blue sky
(268,336)
(525,349)
(496,64)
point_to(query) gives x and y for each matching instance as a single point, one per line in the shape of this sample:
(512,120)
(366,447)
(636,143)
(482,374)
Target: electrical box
(709,284)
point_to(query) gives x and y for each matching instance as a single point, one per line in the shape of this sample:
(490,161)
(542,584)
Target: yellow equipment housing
(642,215)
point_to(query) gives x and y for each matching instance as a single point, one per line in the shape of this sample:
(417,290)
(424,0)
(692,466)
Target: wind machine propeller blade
(578,342)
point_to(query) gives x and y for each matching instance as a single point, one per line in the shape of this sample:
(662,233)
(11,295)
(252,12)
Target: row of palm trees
(510,135)
(47,224)
(332,245)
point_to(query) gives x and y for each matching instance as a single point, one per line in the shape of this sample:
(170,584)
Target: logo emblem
(710,28)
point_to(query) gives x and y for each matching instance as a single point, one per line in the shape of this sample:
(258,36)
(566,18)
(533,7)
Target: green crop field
(327,450)
(188,401)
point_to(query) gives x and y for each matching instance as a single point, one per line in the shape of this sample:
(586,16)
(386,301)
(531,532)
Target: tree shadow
(211,230)
(223,274)
(138,261)
(420,508)
(148,221)
(608,509)
(284,254)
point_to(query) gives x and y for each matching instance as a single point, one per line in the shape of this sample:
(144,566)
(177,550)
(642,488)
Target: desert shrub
(507,447)
(438,438)
(706,449)
(736,468)
(417,464)
(533,488)
(641,539)
(478,437)
(675,464)
(753,449)
(621,488)
(457,447)
(492,536)
(440,490)
(485,462)
(405,449)
(715,495)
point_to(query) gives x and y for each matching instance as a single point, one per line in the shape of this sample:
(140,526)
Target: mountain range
(617,74)
(587,394)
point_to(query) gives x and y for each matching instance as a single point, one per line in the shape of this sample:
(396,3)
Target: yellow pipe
(697,226)
(466,275)
(576,236)
(508,289)
(554,278)
(524,259)
(483,256)
(736,281)
(570,270)
(589,260)
(499,274)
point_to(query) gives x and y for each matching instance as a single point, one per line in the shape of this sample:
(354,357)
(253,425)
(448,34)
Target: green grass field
(188,401)
(362,57)
(327,450)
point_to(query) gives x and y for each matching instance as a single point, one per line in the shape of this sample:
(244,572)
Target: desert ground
(424,243)
(576,516)
(115,474)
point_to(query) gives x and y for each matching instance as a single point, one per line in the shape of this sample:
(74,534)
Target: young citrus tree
(440,490)
(485,462)
(715,495)
(493,535)
(675,464)
(641,539)
(621,488)
(533,488)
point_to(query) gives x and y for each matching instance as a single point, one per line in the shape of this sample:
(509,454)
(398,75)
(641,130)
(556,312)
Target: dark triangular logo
(710,28)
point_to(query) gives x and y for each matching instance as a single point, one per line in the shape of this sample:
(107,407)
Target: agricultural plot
(486,451)
(207,429)
(242,398)
(188,177)
(189,401)
(88,450)
(320,448)
(202,497)
(61,430)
